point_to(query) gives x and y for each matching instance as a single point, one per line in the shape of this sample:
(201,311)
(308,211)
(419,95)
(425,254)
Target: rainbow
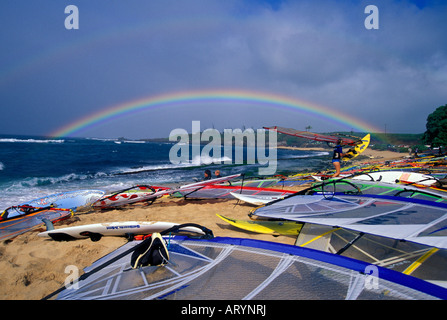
(221,96)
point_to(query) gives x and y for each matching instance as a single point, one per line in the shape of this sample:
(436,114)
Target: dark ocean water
(31,167)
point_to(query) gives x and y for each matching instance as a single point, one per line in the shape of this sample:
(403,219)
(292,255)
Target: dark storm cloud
(316,51)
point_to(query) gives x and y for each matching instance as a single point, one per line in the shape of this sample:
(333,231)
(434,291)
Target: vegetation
(379,141)
(436,134)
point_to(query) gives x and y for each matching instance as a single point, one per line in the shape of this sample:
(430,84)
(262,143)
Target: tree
(436,134)
(308,128)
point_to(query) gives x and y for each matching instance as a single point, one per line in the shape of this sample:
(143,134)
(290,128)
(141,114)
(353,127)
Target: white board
(97,230)
(397,176)
(256,199)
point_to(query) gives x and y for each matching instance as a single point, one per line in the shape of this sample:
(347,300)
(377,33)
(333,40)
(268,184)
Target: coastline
(373,155)
(33,267)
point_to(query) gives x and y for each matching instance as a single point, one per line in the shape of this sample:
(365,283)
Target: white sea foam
(2,166)
(102,139)
(13,140)
(26,189)
(118,141)
(153,168)
(310,155)
(47,181)
(196,162)
(128,141)
(200,160)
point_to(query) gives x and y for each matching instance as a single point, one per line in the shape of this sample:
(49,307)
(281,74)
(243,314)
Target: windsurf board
(397,176)
(98,230)
(256,199)
(286,228)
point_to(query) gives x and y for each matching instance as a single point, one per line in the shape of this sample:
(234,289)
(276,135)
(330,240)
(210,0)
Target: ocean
(32,167)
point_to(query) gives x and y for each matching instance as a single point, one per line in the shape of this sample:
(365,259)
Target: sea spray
(234,143)
(34,168)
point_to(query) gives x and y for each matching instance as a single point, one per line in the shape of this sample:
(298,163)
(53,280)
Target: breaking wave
(13,140)
(310,155)
(196,162)
(47,181)
(206,160)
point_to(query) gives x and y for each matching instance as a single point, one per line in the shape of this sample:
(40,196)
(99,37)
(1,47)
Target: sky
(314,52)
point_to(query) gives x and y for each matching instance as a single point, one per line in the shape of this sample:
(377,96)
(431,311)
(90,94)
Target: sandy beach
(33,267)
(373,155)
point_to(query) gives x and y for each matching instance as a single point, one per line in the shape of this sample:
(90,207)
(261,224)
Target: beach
(33,267)
(373,155)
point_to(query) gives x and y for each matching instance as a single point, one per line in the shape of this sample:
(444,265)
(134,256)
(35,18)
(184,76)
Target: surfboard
(74,200)
(118,229)
(257,199)
(352,153)
(286,228)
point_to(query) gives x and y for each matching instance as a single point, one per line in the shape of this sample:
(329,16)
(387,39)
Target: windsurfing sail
(358,149)
(352,186)
(317,136)
(150,193)
(225,192)
(216,268)
(76,200)
(257,183)
(135,194)
(20,219)
(407,257)
(409,219)
(197,185)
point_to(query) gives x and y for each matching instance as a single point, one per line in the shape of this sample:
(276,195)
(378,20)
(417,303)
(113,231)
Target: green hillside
(380,141)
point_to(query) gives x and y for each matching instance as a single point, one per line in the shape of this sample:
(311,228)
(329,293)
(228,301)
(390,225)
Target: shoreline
(33,267)
(371,154)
